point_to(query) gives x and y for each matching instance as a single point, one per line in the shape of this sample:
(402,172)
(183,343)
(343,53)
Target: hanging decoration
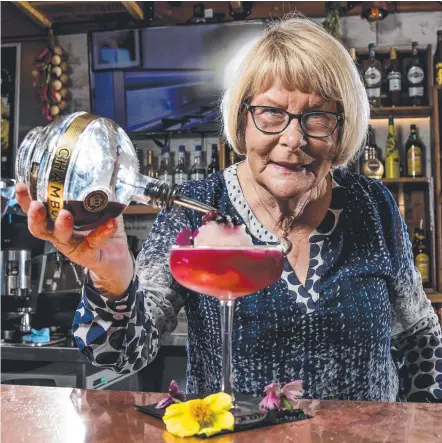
(51,80)
(331,22)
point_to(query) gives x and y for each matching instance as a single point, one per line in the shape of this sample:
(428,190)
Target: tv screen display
(179,83)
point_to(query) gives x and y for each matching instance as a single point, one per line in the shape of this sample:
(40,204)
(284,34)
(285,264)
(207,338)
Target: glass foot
(247,413)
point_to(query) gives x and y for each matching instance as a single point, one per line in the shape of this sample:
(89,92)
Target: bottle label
(373,92)
(167,178)
(180,178)
(416,91)
(422,262)
(415,75)
(438,73)
(414,161)
(372,76)
(394,81)
(197,176)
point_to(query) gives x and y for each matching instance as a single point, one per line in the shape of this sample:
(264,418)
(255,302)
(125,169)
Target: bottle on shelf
(392,156)
(394,79)
(421,254)
(373,77)
(438,60)
(232,156)
(214,162)
(353,55)
(372,167)
(197,172)
(150,170)
(415,78)
(180,174)
(165,173)
(414,150)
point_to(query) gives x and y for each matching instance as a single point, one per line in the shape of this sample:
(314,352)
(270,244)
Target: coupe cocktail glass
(227,272)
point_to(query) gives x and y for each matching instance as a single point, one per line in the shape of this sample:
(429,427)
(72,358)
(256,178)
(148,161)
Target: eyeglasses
(315,124)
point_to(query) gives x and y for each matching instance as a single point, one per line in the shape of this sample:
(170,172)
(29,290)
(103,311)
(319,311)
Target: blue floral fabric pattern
(360,328)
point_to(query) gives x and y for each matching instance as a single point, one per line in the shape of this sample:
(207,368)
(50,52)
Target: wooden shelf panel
(407,180)
(435,298)
(402,111)
(141,210)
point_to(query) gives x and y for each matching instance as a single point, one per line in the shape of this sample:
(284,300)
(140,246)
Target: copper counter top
(64,415)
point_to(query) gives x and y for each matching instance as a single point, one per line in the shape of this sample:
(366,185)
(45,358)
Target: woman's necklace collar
(286,227)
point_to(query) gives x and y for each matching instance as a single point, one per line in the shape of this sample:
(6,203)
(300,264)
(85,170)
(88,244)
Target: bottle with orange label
(414,149)
(421,254)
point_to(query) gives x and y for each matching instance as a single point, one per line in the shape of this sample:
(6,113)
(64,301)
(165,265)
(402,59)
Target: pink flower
(272,399)
(293,390)
(269,402)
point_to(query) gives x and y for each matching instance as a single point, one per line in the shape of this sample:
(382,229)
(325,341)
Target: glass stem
(227,308)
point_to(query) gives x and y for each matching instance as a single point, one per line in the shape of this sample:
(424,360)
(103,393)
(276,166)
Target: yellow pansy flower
(209,416)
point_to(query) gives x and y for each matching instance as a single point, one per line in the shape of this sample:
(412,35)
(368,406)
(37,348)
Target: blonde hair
(305,57)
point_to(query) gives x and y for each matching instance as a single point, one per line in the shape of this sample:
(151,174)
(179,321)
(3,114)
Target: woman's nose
(293,137)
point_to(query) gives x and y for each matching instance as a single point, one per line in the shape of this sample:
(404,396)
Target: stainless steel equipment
(2,273)
(18,272)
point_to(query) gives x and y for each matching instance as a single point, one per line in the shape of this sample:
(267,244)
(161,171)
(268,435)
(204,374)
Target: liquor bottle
(421,254)
(197,172)
(394,78)
(414,150)
(214,162)
(438,60)
(415,78)
(353,55)
(232,156)
(165,173)
(364,156)
(373,77)
(372,167)
(55,163)
(392,156)
(150,170)
(180,174)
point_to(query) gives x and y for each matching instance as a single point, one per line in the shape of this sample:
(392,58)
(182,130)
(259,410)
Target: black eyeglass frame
(299,117)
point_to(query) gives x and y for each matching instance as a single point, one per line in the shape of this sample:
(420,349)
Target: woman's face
(289,164)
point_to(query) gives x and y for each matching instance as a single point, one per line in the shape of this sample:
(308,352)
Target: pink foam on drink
(222,234)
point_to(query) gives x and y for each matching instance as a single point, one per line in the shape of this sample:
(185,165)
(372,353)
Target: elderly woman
(348,316)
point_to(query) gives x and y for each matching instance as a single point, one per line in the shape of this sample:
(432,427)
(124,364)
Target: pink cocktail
(227,272)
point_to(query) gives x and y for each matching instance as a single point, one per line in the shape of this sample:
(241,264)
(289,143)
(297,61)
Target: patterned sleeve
(416,332)
(125,335)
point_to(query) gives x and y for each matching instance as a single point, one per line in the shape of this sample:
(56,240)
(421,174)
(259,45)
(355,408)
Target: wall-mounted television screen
(179,84)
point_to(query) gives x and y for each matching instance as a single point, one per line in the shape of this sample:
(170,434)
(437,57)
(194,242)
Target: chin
(286,189)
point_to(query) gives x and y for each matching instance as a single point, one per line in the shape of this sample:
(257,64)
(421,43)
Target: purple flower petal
(174,391)
(293,390)
(269,402)
(165,402)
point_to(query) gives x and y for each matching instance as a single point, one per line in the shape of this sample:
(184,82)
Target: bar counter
(64,415)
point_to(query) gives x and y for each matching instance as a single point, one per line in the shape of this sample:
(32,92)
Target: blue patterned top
(360,328)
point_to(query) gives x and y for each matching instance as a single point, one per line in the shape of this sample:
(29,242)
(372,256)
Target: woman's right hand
(104,251)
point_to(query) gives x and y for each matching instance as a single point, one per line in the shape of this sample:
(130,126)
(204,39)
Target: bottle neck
(372,54)
(152,192)
(391,128)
